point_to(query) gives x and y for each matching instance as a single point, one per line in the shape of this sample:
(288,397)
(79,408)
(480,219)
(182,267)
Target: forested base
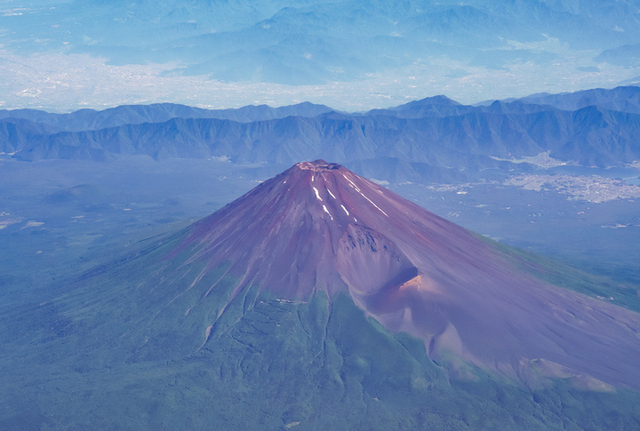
(286,365)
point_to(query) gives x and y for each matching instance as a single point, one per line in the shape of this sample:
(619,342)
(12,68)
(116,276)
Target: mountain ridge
(90,119)
(590,137)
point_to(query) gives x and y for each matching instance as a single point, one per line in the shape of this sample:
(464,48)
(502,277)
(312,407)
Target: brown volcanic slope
(318,226)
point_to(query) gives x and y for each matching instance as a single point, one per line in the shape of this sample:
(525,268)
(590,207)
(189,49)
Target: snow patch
(327,211)
(317,194)
(331,194)
(361,194)
(353,185)
(207,333)
(372,203)
(345,210)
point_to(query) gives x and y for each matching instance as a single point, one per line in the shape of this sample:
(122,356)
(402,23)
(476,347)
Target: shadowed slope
(320,226)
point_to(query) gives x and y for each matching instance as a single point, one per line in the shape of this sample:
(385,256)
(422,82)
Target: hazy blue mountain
(625,55)
(18,133)
(624,99)
(304,42)
(89,119)
(344,40)
(442,106)
(437,106)
(590,136)
(435,138)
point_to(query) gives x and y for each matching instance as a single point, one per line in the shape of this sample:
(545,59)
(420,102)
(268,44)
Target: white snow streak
(317,194)
(345,210)
(331,193)
(352,183)
(380,209)
(327,211)
(361,194)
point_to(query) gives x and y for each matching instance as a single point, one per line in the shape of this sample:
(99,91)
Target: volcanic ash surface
(319,226)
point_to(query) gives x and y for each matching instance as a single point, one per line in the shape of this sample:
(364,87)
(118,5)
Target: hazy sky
(350,55)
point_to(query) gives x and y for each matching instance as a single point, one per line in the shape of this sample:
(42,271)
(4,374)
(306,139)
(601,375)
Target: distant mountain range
(90,119)
(311,42)
(433,136)
(624,99)
(348,54)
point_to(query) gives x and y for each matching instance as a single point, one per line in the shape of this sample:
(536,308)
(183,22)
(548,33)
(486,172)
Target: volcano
(322,300)
(320,227)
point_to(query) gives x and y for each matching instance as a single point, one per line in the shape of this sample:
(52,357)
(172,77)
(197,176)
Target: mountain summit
(318,227)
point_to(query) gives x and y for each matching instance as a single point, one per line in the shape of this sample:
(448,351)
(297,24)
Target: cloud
(65,82)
